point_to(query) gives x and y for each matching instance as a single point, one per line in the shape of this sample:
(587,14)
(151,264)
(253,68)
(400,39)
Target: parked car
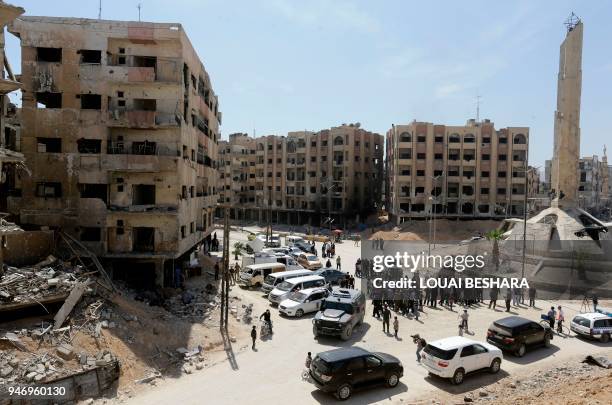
(274,279)
(340,371)
(516,334)
(254,275)
(340,313)
(281,291)
(309,261)
(331,275)
(291,240)
(594,325)
(272,241)
(456,356)
(295,252)
(302,302)
(303,246)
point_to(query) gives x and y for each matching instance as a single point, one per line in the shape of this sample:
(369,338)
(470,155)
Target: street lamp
(527,171)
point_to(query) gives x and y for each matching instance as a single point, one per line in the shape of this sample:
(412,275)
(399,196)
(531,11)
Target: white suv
(594,325)
(456,356)
(302,302)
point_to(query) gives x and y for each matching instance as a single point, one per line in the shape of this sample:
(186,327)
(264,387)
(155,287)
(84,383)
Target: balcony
(142,119)
(141,74)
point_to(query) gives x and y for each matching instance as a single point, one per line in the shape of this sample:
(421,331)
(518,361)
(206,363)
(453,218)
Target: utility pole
(139,7)
(478,108)
(100,10)
(225,271)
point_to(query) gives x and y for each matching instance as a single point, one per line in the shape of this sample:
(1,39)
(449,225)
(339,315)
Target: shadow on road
(365,396)
(474,381)
(532,355)
(229,351)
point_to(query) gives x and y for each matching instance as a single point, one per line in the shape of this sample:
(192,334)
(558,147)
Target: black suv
(516,334)
(341,370)
(340,313)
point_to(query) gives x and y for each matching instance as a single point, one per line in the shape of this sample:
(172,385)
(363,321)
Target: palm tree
(495,235)
(238,248)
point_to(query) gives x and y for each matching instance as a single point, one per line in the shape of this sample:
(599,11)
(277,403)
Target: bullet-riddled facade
(471,171)
(120,129)
(305,176)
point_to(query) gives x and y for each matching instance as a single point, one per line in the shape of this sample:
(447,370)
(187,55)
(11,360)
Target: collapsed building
(120,127)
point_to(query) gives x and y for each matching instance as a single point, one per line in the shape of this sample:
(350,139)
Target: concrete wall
(26,248)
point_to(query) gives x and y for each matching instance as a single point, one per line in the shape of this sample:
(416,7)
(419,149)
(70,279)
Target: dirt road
(271,374)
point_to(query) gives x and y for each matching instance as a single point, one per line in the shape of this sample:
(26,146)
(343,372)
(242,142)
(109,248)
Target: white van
(269,257)
(593,325)
(272,280)
(282,291)
(254,275)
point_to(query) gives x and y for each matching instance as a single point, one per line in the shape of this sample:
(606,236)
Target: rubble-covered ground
(572,382)
(154,335)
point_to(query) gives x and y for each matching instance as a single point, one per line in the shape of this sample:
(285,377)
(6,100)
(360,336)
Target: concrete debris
(154,375)
(48,280)
(14,340)
(65,351)
(74,297)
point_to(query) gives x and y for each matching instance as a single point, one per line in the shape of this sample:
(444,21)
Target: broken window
(144,148)
(49,189)
(92,190)
(91,101)
(49,145)
(90,56)
(183,231)
(144,239)
(144,61)
(143,194)
(145,104)
(48,54)
(89,145)
(91,234)
(45,99)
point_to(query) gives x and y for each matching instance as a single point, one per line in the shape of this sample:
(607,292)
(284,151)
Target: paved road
(272,373)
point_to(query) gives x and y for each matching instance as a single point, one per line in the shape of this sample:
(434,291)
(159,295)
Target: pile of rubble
(50,277)
(20,368)
(6,226)
(192,303)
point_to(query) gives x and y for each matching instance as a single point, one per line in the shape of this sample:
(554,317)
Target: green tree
(238,248)
(495,235)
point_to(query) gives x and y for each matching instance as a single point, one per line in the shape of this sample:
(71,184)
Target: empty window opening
(49,189)
(144,239)
(90,56)
(143,194)
(89,145)
(144,61)
(91,190)
(91,234)
(91,101)
(120,228)
(48,100)
(48,54)
(145,104)
(49,145)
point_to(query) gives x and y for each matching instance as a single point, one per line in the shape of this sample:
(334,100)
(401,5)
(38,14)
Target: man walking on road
(493,297)
(253,336)
(386,319)
(395,326)
(338,263)
(508,299)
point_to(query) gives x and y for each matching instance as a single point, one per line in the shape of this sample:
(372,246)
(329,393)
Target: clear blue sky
(283,65)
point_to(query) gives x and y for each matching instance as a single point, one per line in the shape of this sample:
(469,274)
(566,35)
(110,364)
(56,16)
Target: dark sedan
(332,275)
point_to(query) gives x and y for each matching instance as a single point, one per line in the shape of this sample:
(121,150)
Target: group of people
(328,249)
(328,263)
(348,282)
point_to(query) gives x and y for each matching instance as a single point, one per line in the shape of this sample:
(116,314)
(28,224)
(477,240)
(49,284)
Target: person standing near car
(386,318)
(308,361)
(508,299)
(493,292)
(560,319)
(338,263)
(551,318)
(421,343)
(395,326)
(532,296)
(595,302)
(267,318)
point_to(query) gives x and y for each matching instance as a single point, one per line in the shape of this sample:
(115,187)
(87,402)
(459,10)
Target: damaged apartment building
(304,177)
(120,128)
